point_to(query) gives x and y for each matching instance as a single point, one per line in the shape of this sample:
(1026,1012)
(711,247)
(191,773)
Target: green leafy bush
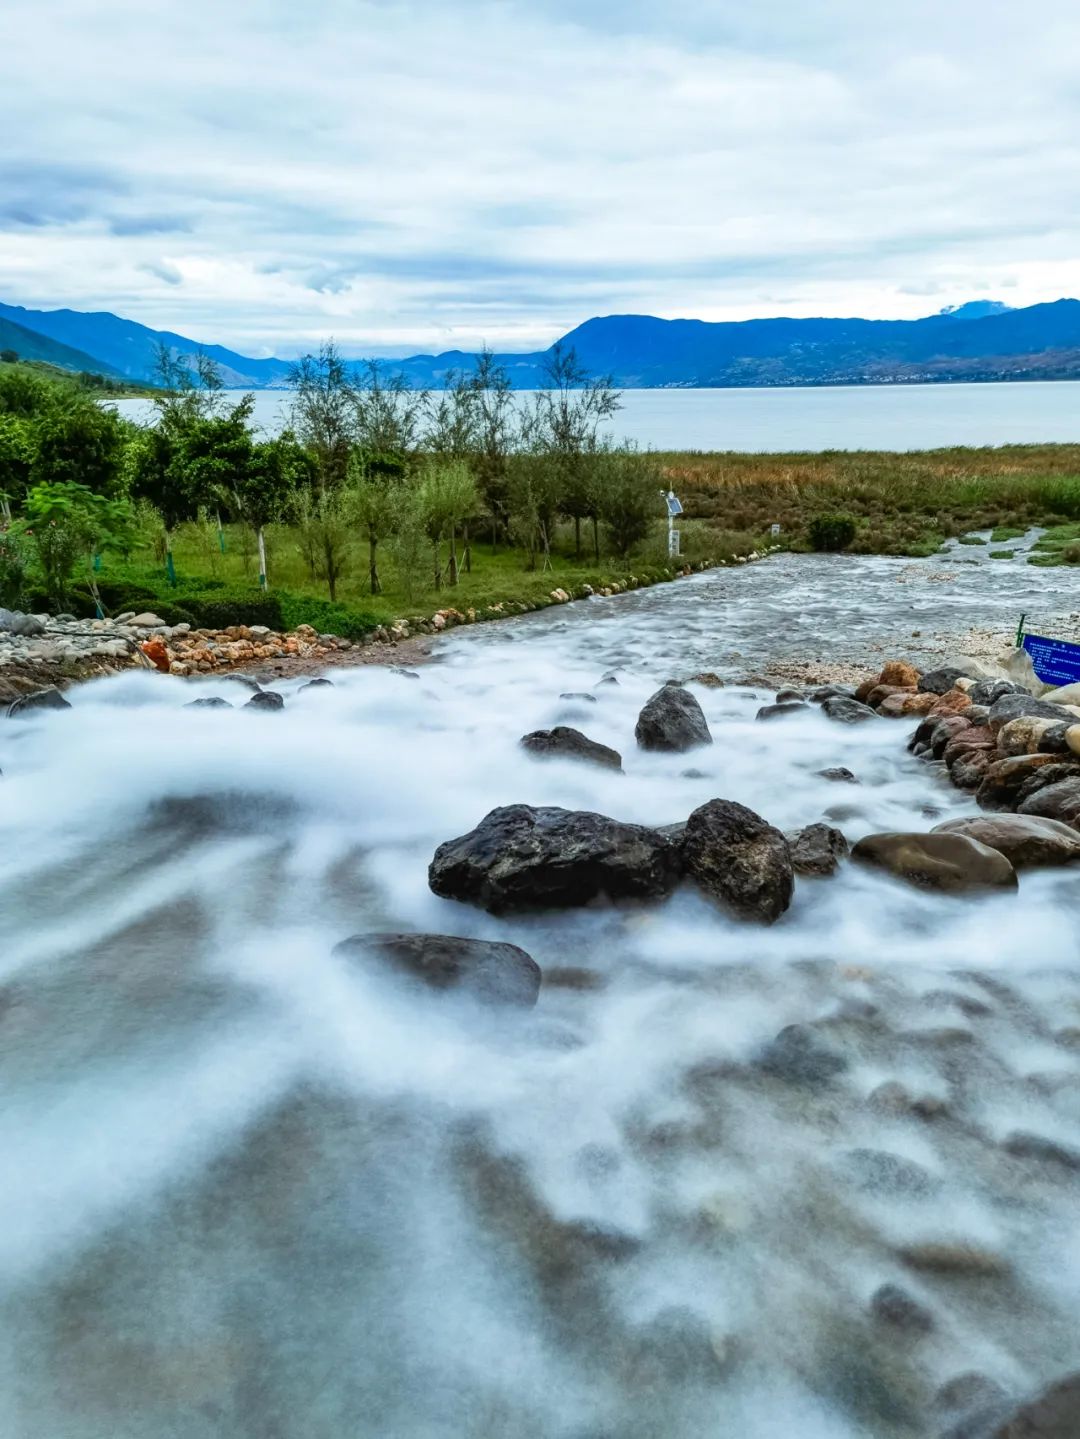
(13,561)
(221,609)
(326,616)
(831,532)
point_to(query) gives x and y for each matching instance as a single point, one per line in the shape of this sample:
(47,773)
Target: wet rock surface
(492,971)
(563,742)
(951,863)
(520,857)
(739,859)
(817,850)
(673,721)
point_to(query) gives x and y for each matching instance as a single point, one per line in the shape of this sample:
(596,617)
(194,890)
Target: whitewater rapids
(258,1191)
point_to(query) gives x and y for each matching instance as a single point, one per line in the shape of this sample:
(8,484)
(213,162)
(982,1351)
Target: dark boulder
(490,970)
(817,849)
(321,683)
(831,692)
(895,1306)
(266,700)
(848,711)
(952,863)
(780,709)
(1013,706)
(838,773)
(739,859)
(672,720)
(940,682)
(1053,1414)
(50,699)
(945,731)
(797,1056)
(521,857)
(209,702)
(579,696)
(1053,741)
(1059,801)
(1004,779)
(988,692)
(1022,1145)
(562,742)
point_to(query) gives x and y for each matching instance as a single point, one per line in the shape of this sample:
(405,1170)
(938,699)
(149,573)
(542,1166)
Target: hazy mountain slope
(30,345)
(981,340)
(131,349)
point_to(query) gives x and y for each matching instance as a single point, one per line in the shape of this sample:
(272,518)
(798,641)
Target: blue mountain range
(982,340)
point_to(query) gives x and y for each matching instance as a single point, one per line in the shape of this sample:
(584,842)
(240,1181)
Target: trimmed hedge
(326,616)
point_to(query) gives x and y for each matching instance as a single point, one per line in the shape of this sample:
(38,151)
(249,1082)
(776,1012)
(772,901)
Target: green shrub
(221,609)
(831,532)
(13,562)
(327,616)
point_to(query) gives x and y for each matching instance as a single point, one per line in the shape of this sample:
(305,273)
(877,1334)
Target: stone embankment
(41,651)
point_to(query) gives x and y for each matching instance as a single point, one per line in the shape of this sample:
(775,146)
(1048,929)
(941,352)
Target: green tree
(199,445)
(82,443)
(16,458)
(447,497)
(388,413)
(323,412)
(498,427)
(534,492)
(262,490)
(375,500)
(565,423)
(66,522)
(323,520)
(629,490)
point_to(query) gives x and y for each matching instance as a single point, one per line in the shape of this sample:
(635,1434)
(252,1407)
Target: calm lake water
(857,417)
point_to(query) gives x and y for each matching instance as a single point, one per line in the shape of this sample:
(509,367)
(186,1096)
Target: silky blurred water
(256,1189)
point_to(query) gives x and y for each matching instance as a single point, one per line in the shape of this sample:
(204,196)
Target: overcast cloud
(440,173)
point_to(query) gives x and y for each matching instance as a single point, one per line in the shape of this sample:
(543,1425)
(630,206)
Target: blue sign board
(1056,662)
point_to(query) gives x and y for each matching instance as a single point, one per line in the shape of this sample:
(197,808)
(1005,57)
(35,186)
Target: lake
(852,417)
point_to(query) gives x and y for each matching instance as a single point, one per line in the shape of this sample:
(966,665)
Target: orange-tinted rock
(883,692)
(904,703)
(900,673)
(155,651)
(953,703)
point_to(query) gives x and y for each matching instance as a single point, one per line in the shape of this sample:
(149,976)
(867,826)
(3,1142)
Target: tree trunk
(577,537)
(547,551)
(373,568)
(438,566)
(596,538)
(262,559)
(170,568)
(468,549)
(452,570)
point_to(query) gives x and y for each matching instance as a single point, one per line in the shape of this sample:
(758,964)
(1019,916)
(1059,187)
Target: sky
(442,173)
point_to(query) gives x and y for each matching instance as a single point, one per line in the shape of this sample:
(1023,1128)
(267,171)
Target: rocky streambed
(527,1046)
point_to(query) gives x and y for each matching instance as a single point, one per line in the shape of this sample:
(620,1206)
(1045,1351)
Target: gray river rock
(815,1177)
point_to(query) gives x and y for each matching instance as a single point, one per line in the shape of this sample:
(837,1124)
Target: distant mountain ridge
(130,349)
(32,345)
(981,340)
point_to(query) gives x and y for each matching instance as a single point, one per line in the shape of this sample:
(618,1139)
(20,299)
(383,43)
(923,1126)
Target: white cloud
(422,175)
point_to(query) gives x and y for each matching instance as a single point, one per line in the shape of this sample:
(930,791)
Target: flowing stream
(255,1190)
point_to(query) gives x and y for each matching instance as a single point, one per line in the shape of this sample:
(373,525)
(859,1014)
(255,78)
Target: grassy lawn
(497,577)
